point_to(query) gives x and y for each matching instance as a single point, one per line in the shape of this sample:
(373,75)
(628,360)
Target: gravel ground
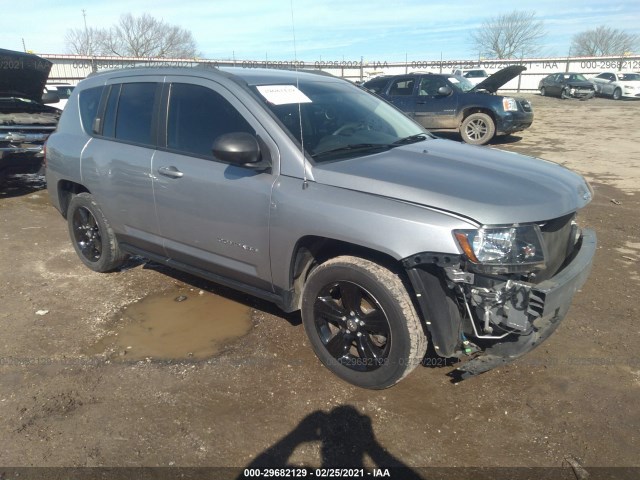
(264,399)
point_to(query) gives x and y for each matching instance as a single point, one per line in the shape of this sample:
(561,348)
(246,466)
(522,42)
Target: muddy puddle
(175,325)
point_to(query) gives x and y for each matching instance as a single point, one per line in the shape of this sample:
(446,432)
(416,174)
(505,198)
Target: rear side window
(197,116)
(402,87)
(89,103)
(129,112)
(135,113)
(377,85)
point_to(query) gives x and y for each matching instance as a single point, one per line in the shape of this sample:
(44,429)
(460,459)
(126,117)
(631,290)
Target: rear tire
(361,322)
(543,91)
(617,94)
(477,129)
(92,236)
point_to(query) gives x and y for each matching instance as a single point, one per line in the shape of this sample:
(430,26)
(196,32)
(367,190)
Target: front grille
(558,236)
(525,105)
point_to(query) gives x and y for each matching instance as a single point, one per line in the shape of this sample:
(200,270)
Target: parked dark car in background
(25,122)
(567,85)
(442,102)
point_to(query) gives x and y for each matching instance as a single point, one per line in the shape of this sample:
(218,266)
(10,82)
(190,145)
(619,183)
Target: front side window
(197,116)
(430,84)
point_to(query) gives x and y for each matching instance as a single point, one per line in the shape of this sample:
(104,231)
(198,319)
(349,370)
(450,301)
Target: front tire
(543,91)
(361,322)
(92,236)
(617,94)
(477,129)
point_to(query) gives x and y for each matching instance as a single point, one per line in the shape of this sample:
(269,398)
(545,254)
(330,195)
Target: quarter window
(197,116)
(89,103)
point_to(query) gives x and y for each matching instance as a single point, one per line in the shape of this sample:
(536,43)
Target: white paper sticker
(282,94)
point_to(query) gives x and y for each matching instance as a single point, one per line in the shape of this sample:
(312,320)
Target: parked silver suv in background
(307,191)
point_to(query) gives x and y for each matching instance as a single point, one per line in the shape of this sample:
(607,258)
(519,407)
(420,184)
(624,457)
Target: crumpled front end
(487,317)
(582,92)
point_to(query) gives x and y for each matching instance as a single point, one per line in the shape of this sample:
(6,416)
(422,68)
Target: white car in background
(63,90)
(475,76)
(617,84)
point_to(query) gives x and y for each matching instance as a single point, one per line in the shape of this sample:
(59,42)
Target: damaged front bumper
(493,326)
(581,93)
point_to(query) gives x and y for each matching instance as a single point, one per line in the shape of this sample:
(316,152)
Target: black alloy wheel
(361,322)
(92,236)
(353,326)
(86,234)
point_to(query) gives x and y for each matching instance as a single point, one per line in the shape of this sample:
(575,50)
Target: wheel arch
(66,191)
(312,250)
(476,109)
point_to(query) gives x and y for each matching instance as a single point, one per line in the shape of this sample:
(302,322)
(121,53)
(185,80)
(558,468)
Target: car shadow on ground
(196,282)
(345,437)
(499,140)
(19,185)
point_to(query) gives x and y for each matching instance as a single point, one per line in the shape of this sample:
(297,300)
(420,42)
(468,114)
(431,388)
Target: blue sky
(325,30)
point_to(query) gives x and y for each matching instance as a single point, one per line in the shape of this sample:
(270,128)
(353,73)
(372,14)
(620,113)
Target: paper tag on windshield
(282,94)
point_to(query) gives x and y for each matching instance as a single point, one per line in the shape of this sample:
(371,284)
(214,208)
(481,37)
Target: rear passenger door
(116,163)
(212,215)
(401,93)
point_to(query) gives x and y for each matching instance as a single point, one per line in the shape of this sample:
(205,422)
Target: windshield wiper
(412,139)
(355,147)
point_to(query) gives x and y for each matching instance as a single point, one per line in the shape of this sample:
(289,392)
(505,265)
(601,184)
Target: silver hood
(489,186)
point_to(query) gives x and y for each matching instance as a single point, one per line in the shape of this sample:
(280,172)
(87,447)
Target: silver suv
(310,192)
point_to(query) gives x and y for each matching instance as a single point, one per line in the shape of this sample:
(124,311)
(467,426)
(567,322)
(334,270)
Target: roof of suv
(250,76)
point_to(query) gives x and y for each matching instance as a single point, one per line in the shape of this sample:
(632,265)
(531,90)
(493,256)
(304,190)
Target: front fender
(395,228)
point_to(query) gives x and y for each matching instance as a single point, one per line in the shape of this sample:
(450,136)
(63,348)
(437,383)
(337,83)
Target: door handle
(172,172)
(421,102)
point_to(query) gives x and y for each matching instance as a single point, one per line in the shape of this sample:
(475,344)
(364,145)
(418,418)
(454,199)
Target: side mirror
(445,91)
(50,97)
(239,148)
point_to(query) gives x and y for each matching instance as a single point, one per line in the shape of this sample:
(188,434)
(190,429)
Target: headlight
(509,104)
(514,246)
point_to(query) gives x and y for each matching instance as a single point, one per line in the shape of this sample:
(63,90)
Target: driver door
(432,109)
(401,94)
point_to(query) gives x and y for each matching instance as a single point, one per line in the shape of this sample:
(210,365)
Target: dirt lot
(71,396)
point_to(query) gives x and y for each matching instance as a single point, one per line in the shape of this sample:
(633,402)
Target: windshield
(475,74)
(63,91)
(629,77)
(339,120)
(460,83)
(575,77)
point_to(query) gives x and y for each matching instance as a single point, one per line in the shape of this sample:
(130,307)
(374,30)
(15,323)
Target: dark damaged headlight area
(505,294)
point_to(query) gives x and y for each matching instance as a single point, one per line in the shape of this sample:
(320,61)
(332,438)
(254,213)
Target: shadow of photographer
(345,436)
